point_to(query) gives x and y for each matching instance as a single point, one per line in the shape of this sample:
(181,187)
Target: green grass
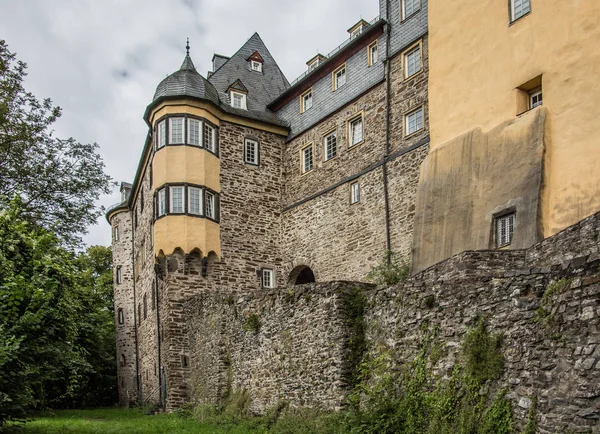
(116,420)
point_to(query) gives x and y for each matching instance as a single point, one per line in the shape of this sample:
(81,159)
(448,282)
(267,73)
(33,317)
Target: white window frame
(200,200)
(306,101)
(118,275)
(354,192)
(303,161)
(171,129)
(199,123)
(172,188)
(356,31)
(414,11)
(341,71)
(533,95)
(211,144)
(351,139)
(504,228)
(326,145)
(161,134)
(407,57)
(268,278)
(210,205)
(242,96)
(525,9)
(255,66)
(116,233)
(254,143)
(162,202)
(373,53)
(407,120)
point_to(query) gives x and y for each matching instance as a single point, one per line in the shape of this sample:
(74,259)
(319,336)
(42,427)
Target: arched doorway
(300,275)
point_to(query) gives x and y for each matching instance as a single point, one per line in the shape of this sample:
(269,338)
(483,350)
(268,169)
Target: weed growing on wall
(390,270)
(252,323)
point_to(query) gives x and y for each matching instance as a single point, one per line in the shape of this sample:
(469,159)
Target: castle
(431,130)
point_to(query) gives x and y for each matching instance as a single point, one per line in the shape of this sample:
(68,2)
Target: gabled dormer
(357,28)
(315,61)
(256,62)
(238,95)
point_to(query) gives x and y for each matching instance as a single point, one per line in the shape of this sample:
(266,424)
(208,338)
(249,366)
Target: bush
(390,270)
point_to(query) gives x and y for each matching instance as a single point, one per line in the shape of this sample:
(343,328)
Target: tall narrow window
(412,62)
(306,101)
(519,8)
(373,53)
(355,131)
(410,7)
(209,209)
(268,278)
(339,77)
(251,155)
(330,143)
(195,200)
(505,227)
(210,140)
(307,158)
(193,129)
(414,121)
(176,131)
(139,314)
(123,360)
(145,306)
(176,194)
(116,233)
(154,287)
(120,316)
(162,202)
(535,98)
(161,134)
(354,192)
(118,274)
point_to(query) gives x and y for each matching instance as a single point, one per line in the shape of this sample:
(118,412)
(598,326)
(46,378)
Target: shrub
(390,270)
(252,323)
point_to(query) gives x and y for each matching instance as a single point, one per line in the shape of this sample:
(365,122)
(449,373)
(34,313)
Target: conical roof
(187,82)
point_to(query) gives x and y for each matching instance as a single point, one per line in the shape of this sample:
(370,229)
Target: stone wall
(551,354)
(292,345)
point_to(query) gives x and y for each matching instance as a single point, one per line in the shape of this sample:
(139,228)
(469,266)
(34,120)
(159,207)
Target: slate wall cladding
(123,295)
(405,31)
(299,352)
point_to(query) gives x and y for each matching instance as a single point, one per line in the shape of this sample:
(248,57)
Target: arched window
(123,360)
(300,275)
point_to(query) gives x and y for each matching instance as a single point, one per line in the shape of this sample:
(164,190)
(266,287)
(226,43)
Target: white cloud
(102,60)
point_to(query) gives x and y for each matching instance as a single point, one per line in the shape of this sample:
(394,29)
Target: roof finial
(187,47)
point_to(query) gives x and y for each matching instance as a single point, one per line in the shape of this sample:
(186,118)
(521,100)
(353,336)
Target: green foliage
(354,307)
(429,301)
(531,427)
(482,352)
(390,270)
(56,321)
(60,181)
(554,288)
(252,323)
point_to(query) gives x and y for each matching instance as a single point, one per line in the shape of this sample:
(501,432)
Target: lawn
(116,420)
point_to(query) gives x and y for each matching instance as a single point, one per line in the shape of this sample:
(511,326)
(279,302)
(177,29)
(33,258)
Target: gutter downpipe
(135,318)
(388,91)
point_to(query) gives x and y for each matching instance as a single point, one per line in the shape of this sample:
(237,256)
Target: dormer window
(315,61)
(356,32)
(357,29)
(238,100)
(256,66)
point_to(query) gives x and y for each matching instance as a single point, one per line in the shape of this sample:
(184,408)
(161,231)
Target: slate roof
(187,82)
(262,87)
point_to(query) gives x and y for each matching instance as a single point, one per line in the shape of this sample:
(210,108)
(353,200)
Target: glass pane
(193,132)
(176,130)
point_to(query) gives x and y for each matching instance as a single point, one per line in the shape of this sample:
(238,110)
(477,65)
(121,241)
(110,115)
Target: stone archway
(300,275)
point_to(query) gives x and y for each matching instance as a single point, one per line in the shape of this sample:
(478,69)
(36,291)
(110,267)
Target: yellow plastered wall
(477,62)
(193,165)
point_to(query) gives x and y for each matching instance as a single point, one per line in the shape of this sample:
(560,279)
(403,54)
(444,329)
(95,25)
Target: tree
(59,180)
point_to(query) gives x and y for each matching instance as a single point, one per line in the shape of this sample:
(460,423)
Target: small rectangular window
(410,7)
(414,121)
(176,195)
(185,361)
(306,101)
(268,278)
(373,54)
(145,306)
(330,143)
(161,134)
(176,131)
(210,139)
(194,128)
(162,202)
(209,209)
(354,192)
(118,274)
(238,100)
(535,98)
(120,316)
(307,158)
(195,200)
(412,62)
(339,77)
(519,8)
(251,155)
(139,314)
(505,227)
(256,66)
(116,233)
(355,131)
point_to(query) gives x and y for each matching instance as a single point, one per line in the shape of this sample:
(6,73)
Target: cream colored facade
(481,66)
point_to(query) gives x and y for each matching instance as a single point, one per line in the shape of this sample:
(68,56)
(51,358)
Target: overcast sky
(101,60)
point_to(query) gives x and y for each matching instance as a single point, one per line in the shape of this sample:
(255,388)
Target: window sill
(414,14)
(416,74)
(517,19)
(248,163)
(356,145)
(529,110)
(411,135)
(332,158)
(307,172)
